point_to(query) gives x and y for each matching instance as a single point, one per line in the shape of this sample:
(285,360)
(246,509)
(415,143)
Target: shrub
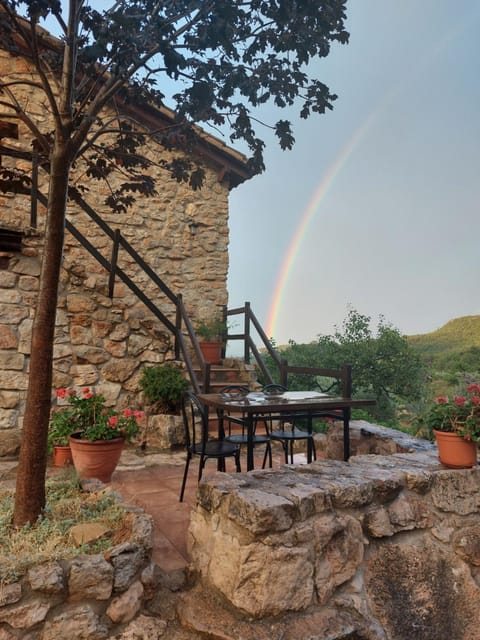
(163,387)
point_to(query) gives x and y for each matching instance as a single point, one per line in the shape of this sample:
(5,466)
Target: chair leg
(291,451)
(200,467)
(237,462)
(268,452)
(314,450)
(285,450)
(187,463)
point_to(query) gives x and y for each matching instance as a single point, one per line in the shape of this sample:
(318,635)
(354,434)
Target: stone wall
(380,548)
(90,596)
(103,342)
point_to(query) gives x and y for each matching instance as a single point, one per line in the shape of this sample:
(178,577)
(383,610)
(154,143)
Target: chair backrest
(340,379)
(194,420)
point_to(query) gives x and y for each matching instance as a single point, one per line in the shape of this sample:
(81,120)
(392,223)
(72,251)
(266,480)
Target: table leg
(221,436)
(346,434)
(309,441)
(250,423)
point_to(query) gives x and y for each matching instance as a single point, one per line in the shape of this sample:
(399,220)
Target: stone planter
(455,452)
(165,431)
(97,459)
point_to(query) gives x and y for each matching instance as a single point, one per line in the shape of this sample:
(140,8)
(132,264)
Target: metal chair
(242,438)
(288,433)
(198,443)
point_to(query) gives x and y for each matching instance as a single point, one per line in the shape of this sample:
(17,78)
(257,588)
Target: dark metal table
(300,404)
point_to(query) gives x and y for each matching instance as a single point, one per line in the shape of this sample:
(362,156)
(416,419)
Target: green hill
(453,347)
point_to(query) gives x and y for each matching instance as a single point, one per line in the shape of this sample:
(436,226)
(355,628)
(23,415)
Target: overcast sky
(377,205)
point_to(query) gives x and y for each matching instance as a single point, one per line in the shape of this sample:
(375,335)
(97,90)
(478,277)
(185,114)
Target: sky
(376,207)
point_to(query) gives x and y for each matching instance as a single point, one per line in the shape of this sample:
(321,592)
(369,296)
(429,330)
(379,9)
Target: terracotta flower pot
(212,351)
(62,456)
(97,459)
(454,451)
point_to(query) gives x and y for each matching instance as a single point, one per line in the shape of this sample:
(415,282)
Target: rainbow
(342,158)
(318,196)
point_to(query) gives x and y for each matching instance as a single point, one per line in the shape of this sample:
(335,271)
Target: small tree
(383,363)
(228,57)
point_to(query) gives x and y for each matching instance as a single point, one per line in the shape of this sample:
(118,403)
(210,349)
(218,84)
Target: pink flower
(86,391)
(112,421)
(138,414)
(473,388)
(88,395)
(459,401)
(441,400)
(475,400)
(61,393)
(127,413)
(72,392)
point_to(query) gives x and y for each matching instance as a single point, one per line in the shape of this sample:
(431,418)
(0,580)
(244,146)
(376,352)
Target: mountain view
(455,347)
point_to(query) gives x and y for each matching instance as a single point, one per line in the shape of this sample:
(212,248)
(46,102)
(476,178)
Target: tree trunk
(32,465)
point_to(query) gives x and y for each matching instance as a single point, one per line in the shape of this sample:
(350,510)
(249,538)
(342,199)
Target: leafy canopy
(226,59)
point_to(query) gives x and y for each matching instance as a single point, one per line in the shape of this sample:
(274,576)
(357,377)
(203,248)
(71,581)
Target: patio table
(291,404)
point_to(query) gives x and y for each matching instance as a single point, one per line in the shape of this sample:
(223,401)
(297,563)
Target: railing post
(208,367)
(284,373)
(224,337)
(246,334)
(113,262)
(347,381)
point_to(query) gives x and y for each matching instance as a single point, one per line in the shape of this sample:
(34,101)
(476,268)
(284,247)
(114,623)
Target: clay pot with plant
(59,431)
(97,431)
(455,423)
(212,334)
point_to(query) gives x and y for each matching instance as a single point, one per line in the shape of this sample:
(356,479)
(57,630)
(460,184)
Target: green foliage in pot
(212,330)
(61,427)
(163,387)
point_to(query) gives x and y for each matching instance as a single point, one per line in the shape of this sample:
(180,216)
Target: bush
(163,387)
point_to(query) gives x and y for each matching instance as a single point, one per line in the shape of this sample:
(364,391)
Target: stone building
(102,340)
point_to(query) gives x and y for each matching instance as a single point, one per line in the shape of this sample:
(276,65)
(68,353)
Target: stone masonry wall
(90,596)
(103,342)
(380,548)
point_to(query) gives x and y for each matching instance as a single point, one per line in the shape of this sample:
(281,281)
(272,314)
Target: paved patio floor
(152,481)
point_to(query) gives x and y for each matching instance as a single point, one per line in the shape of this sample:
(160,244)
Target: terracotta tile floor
(153,482)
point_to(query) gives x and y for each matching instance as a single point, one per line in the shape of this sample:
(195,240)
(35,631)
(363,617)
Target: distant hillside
(453,347)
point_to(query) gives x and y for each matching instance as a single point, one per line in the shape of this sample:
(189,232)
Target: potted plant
(212,332)
(59,432)
(455,423)
(98,433)
(163,387)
